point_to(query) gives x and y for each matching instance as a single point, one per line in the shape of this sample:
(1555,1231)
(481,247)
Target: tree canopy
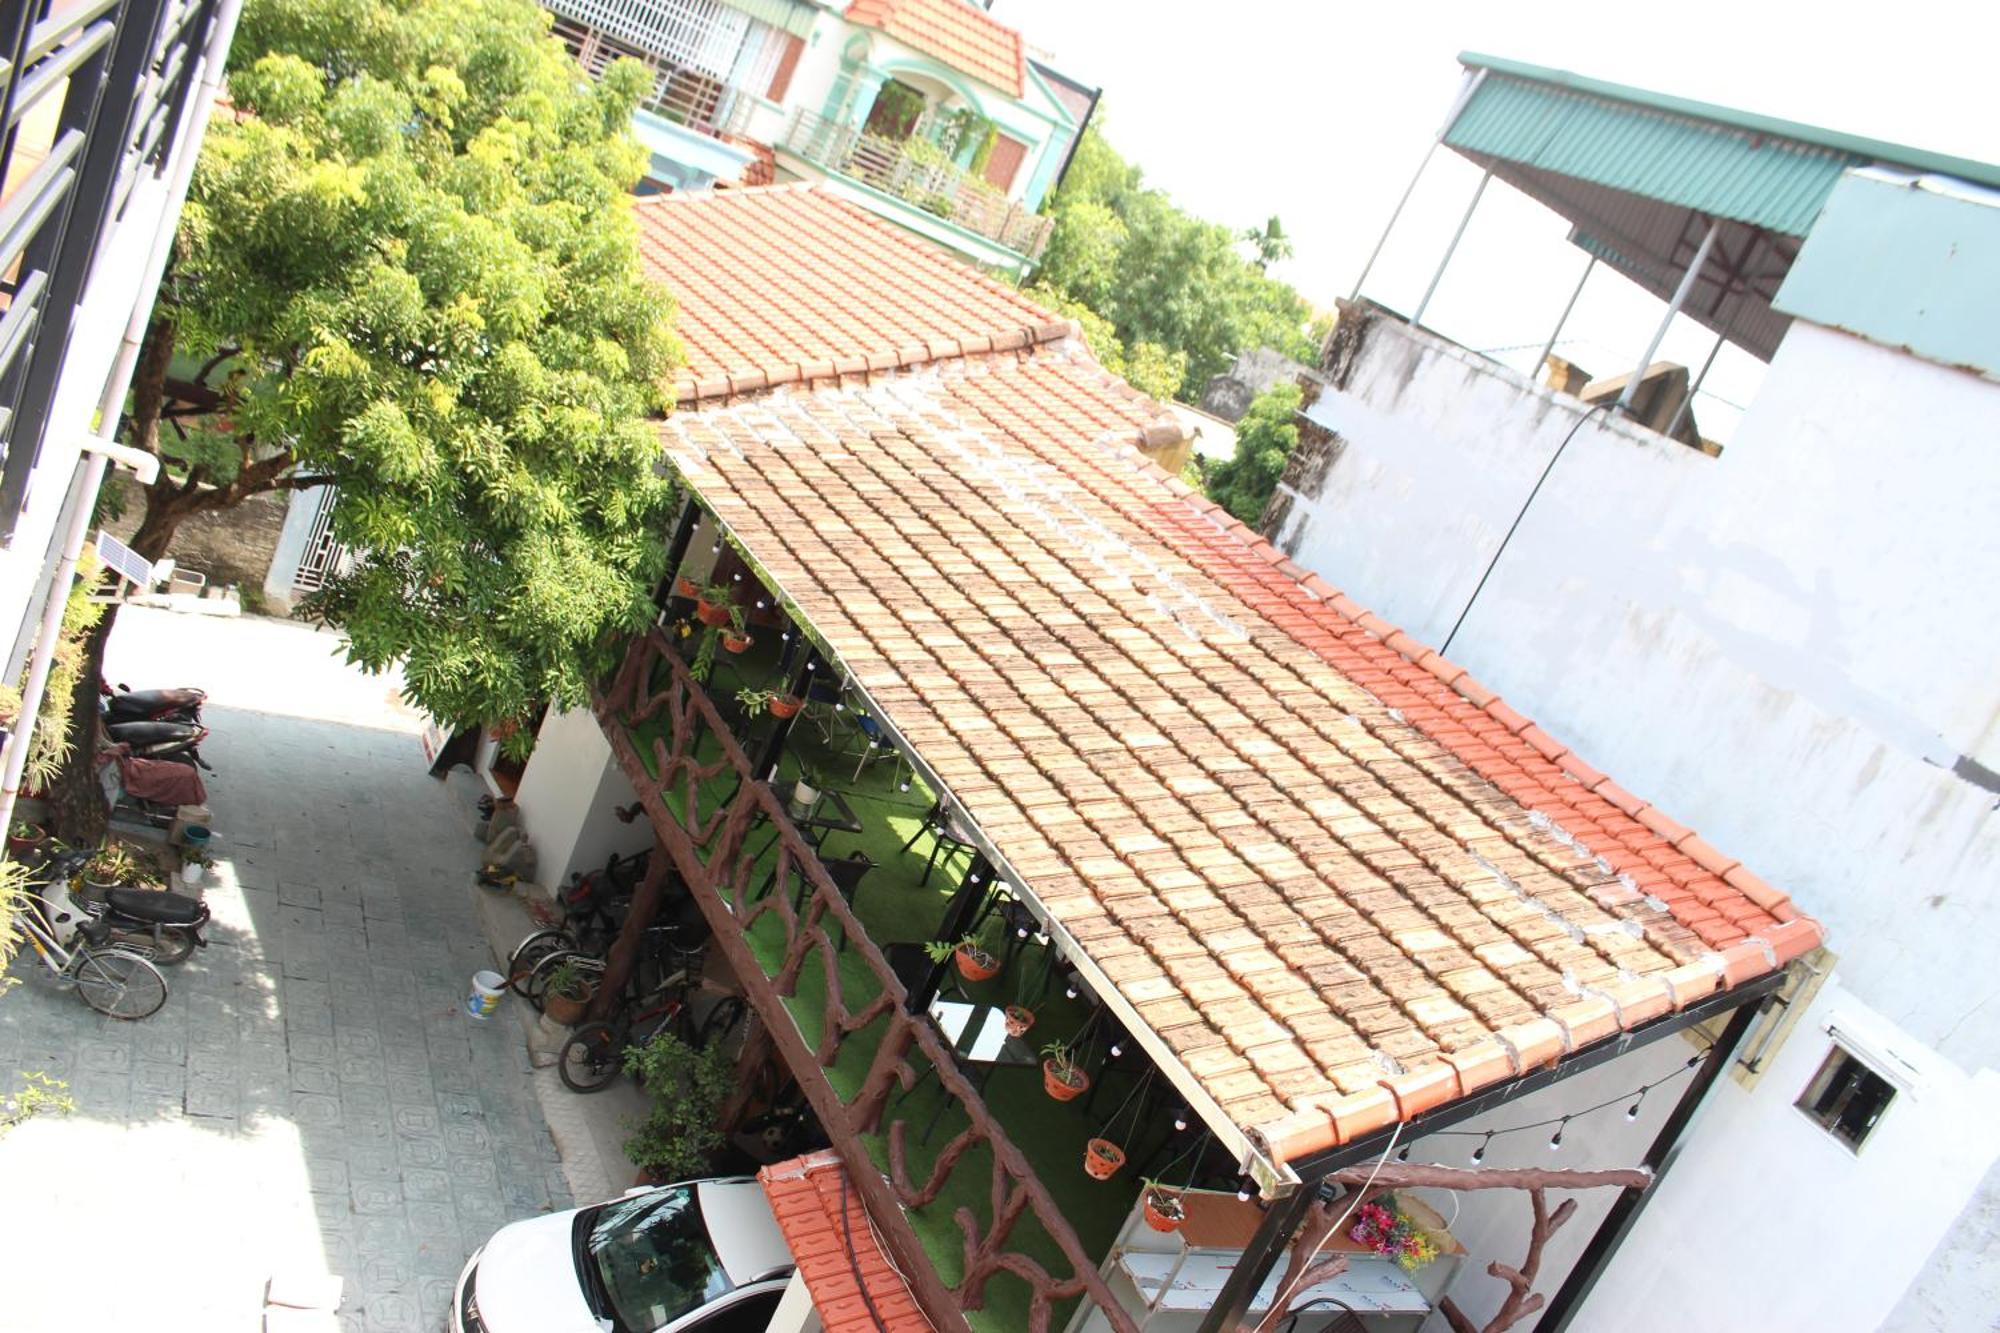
(408,269)
(1265,437)
(1163,278)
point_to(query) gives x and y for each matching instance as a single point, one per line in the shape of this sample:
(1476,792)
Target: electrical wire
(854,1260)
(1282,1295)
(1657,1083)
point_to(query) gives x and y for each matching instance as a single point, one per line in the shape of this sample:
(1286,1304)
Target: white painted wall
(568,791)
(1788,648)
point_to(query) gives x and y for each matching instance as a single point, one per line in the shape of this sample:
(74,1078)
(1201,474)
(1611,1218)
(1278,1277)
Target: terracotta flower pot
(19,847)
(1163,1211)
(564,1010)
(685,587)
(1019,1020)
(975,964)
(711,613)
(1102,1158)
(734,642)
(1060,1090)
(786,705)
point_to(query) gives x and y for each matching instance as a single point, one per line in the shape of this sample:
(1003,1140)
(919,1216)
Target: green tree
(1161,276)
(1270,242)
(1243,483)
(408,269)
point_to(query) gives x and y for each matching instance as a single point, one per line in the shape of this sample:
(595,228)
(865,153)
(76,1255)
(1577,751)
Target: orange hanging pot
(734,642)
(711,613)
(1163,1211)
(1019,1019)
(785,705)
(685,587)
(1102,1158)
(1059,1088)
(975,964)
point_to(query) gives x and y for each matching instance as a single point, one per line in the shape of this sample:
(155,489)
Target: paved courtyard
(313,1097)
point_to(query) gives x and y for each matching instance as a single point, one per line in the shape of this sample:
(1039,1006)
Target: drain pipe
(100,448)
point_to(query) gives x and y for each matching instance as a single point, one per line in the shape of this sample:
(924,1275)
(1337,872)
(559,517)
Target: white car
(705,1255)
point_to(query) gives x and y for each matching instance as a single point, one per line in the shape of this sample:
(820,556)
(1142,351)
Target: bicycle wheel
(591,1058)
(535,988)
(723,1025)
(532,950)
(119,983)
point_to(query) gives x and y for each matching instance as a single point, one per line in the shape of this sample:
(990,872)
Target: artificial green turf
(894,907)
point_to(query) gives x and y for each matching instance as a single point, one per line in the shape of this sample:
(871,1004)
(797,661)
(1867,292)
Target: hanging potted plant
(1162,1207)
(781,705)
(568,994)
(1062,1078)
(736,641)
(702,665)
(685,587)
(712,605)
(974,963)
(1102,1158)
(1019,1019)
(26,838)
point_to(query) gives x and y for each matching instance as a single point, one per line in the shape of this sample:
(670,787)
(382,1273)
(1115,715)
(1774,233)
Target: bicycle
(115,981)
(593,907)
(595,1052)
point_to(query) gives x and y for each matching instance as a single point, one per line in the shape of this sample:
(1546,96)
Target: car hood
(527,1280)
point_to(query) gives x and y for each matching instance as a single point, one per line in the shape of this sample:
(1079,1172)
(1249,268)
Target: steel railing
(117,76)
(920,172)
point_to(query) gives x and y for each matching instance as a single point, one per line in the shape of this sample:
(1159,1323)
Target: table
(818,817)
(979,1040)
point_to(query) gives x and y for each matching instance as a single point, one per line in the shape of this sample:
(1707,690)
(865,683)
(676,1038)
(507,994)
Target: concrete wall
(231,546)
(568,792)
(1791,649)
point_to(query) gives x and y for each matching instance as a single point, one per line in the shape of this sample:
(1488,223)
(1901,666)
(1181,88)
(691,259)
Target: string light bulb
(1632,1111)
(1244,1190)
(1556,1139)
(1479,1153)
(1403,1153)
(1116,1050)
(1069,992)
(1180,1122)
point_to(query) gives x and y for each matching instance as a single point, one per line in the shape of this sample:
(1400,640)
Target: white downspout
(100,448)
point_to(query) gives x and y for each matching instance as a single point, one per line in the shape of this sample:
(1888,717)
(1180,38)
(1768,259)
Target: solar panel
(128,562)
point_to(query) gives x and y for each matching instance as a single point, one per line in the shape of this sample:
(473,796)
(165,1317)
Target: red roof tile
(806,1197)
(961,35)
(791,284)
(1338,879)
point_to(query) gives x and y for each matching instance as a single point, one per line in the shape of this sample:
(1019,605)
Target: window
(749,1315)
(1847,1098)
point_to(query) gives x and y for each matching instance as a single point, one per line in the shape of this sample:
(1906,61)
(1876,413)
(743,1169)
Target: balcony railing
(920,174)
(704,820)
(683,92)
(118,79)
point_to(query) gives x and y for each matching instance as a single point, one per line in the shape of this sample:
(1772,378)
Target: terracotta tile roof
(805,1196)
(788,284)
(1341,882)
(961,35)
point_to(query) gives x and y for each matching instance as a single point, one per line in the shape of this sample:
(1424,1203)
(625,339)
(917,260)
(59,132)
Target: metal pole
(1681,412)
(1666,1147)
(110,407)
(1437,277)
(1556,332)
(1673,308)
(1259,1257)
(1465,92)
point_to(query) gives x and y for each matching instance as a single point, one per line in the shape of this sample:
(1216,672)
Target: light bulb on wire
(1556,1139)
(1479,1153)
(1632,1111)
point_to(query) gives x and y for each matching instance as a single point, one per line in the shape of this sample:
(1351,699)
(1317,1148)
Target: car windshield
(654,1259)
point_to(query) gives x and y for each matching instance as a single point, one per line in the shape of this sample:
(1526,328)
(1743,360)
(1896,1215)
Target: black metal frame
(1275,1232)
(125,71)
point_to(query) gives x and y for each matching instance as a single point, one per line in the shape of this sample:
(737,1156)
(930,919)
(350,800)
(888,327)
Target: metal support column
(1437,277)
(1659,1157)
(1681,294)
(1680,413)
(1465,92)
(1259,1257)
(677,551)
(1556,333)
(958,918)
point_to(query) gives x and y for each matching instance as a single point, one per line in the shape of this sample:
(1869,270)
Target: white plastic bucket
(487,988)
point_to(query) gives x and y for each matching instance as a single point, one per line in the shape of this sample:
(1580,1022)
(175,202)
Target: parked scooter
(164,926)
(161,740)
(126,704)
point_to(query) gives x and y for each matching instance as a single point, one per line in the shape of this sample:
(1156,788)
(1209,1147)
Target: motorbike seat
(153,733)
(160,908)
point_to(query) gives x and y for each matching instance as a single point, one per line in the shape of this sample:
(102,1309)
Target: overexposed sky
(1319,112)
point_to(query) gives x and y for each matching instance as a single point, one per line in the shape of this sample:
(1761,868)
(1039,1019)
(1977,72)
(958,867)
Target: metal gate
(323,556)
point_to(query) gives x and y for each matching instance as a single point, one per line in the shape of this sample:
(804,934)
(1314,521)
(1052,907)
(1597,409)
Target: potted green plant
(113,867)
(26,838)
(687,1086)
(974,963)
(568,994)
(1019,1018)
(1162,1207)
(1062,1078)
(1102,1158)
(702,665)
(780,705)
(712,606)
(685,587)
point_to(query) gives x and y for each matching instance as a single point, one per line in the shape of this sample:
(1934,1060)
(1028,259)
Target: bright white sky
(1319,113)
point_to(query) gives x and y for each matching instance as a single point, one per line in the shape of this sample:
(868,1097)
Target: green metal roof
(1754,169)
(1907,264)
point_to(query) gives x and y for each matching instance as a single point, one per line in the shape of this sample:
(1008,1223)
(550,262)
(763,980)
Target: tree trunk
(77,807)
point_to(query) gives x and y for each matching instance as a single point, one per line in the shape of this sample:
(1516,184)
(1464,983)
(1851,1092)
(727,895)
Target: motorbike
(161,740)
(126,704)
(166,927)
